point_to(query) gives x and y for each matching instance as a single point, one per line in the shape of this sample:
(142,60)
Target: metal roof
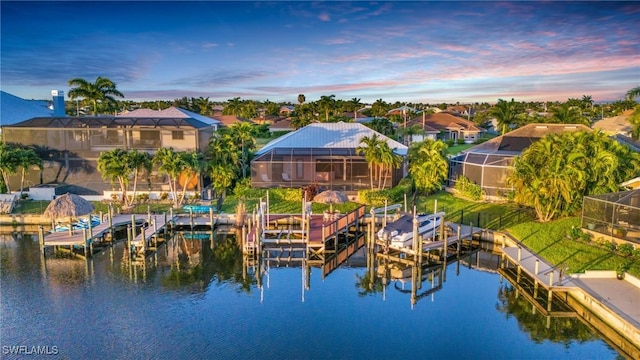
(14,109)
(339,135)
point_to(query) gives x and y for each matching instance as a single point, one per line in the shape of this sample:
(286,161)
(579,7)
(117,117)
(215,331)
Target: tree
(379,108)
(114,166)
(568,114)
(242,133)
(102,90)
(326,103)
(138,161)
(428,165)
(368,147)
(233,107)
(633,93)
(505,113)
(355,103)
(389,160)
(203,105)
(26,159)
(193,165)
(556,172)
(634,119)
(9,162)
(301,99)
(171,164)
(383,126)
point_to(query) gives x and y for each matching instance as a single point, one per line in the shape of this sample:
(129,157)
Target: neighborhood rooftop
(339,135)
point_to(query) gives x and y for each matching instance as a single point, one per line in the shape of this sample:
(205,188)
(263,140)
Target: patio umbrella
(68,206)
(331,197)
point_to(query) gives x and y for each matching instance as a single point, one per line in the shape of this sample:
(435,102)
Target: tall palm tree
(326,103)
(505,113)
(634,119)
(102,90)
(170,163)
(301,99)
(243,133)
(193,165)
(355,105)
(428,164)
(368,147)
(138,161)
(389,160)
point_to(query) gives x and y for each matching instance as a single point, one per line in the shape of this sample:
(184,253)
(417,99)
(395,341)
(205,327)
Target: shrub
(460,141)
(625,249)
(468,189)
(243,190)
(142,197)
(610,245)
(450,142)
(164,196)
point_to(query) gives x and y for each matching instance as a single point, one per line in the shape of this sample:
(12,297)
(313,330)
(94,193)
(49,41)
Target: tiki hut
(68,207)
(331,197)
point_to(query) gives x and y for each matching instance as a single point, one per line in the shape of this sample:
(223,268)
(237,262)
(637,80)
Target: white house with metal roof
(321,153)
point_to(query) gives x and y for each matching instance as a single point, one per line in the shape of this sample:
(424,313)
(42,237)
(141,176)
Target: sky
(420,51)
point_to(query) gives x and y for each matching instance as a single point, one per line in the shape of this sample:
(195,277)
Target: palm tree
(243,133)
(428,165)
(9,162)
(389,160)
(568,114)
(193,165)
(355,105)
(505,113)
(368,147)
(26,159)
(301,99)
(326,103)
(633,93)
(587,101)
(138,161)
(379,108)
(102,90)
(234,107)
(170,163)
(634,119)
(114,166)
(203,105)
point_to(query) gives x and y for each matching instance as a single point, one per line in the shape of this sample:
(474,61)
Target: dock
(86,242)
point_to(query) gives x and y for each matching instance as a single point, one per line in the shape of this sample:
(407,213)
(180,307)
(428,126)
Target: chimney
(58,103)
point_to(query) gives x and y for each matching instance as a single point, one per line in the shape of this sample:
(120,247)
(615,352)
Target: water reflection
(210,277)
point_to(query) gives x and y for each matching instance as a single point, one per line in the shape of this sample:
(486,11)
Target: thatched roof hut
(68,206)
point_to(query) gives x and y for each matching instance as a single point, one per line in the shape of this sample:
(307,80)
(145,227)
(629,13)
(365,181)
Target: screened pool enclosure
(330,168)
(616,215)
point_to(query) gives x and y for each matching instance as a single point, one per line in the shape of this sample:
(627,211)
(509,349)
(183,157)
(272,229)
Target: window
(177,135)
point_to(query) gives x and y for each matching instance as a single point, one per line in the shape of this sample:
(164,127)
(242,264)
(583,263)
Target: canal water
(200,299)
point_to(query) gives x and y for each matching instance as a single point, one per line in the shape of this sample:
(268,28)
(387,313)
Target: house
(613,216)
(228,120)
(321,153)
(14,109)
(451,127)
(71,145)
(426,131)
(286,110)
(490,163)
(281,124)
(632,184)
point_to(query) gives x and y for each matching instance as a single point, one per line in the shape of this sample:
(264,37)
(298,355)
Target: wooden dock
(86,241)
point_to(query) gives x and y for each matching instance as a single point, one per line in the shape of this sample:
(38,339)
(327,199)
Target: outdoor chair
(265,178)
(286,177)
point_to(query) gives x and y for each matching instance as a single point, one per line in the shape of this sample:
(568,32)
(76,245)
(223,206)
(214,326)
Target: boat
(82,223)
(400,232)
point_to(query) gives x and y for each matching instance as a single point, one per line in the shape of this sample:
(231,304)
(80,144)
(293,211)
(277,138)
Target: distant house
(320,153)
(228,120)
(490,163)
(71,145)
(402,110)
(450,127)
(281,124)
(286,110)
(426,130)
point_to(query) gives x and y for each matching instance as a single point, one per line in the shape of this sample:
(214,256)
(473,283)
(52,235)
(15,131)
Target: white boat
(400,232)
